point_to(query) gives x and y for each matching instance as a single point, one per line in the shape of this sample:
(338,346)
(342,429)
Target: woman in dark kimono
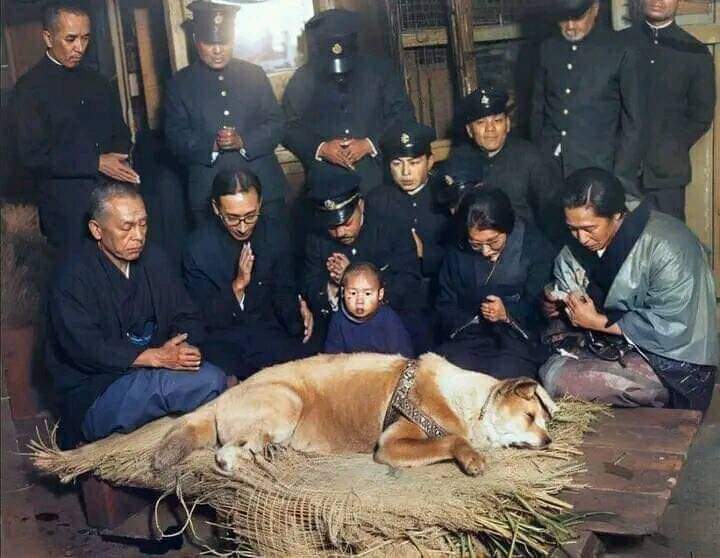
(490,289)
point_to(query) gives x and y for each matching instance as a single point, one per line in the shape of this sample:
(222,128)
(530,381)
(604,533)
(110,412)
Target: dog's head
(518,414)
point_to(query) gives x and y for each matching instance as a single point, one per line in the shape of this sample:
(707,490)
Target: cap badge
(485,100)
(404,138)
(337,48)
(218,19)
(330,205)
(449,180)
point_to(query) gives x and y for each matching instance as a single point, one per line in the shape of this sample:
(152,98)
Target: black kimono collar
(602,271)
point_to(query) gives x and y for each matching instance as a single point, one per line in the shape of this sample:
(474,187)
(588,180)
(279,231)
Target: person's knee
(213,378)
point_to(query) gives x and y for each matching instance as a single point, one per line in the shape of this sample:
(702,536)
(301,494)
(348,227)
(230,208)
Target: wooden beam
(177,38)
(152,91)
(463,46)
(437,36)
(121,67)
(708,33)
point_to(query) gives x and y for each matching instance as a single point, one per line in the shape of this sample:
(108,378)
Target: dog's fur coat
(336,404)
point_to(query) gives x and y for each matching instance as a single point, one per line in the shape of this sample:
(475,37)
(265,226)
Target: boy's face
(411,172)
(362,295)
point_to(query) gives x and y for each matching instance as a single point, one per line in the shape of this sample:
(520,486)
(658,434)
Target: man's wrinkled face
(411,172)
(489,133)
(239,213)
(576,29)
(215,55)
(121,231)
(348,232)
(592,231)
(362,295)
(660,11)
(68,40)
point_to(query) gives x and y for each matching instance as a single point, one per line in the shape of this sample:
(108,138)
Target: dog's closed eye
(531,416)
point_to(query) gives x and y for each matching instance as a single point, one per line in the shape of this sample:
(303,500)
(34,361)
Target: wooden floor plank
(646,416)
(622,513)
(631,471)
(662,439)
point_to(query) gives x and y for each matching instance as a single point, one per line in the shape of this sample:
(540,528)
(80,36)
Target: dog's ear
(546,400)
(525,388)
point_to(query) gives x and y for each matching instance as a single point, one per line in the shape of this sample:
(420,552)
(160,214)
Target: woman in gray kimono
(638,286)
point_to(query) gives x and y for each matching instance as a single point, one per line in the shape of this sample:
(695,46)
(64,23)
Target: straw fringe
(295,504)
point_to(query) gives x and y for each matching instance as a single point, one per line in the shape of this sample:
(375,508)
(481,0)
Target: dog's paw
(471,461)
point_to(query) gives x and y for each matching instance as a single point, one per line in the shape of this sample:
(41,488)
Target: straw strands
(291,504)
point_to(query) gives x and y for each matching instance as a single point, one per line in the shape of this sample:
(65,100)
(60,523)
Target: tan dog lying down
(338,403)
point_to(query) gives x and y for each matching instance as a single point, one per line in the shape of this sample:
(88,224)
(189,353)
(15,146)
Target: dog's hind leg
(404,444)
(265,415)
(193,431)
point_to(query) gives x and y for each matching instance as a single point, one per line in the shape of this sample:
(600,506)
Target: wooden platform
(633,460)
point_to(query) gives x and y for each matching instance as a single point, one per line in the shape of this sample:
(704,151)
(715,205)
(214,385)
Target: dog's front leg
(405,445)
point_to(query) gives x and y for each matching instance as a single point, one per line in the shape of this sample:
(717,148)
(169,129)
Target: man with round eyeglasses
(238,268)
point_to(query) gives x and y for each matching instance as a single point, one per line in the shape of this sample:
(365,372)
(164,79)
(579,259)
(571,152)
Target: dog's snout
(545,441)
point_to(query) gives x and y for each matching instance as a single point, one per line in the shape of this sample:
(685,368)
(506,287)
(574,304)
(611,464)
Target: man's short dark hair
(360,268)
(102,195)
(231,182)
(596,188)
(486,208)
(52,12)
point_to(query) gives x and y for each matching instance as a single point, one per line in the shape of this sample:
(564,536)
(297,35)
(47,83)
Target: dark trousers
(690,386)
(668,200)
(244,349)
(144,394)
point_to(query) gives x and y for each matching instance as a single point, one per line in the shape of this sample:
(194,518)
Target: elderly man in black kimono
(588,106)
(340,102)
(123,333)
(409,200)
(501,160)
(70,128)
(221,113)
(238,268)
(680,93)
(348,233)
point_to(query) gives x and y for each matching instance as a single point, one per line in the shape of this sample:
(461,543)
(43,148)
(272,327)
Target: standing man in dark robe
(340,102)
(221,113)
(348,233)
(239,269)
(409,200)
(70,128)
(123,333)
(501,160)
(588,101)
(680,93)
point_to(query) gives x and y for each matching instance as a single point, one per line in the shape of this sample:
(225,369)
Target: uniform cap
(410,139)
(212,22)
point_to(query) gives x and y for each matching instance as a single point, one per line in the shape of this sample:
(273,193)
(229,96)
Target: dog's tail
(194,431)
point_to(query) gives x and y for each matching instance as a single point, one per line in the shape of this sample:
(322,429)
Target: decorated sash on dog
(401,405)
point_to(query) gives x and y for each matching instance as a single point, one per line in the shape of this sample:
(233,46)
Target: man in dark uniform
(238,268)
(588,101)
(70,128)
(409,201)
(221,113)
(500,160)
(350,234)
(680,93)
(123,333)
(340,102)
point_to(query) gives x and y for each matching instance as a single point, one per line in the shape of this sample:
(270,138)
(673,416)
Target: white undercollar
(663,26)
(47,53)
(416,190)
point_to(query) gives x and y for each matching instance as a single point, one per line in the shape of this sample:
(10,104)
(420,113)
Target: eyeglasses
(235,220)
(496,243)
